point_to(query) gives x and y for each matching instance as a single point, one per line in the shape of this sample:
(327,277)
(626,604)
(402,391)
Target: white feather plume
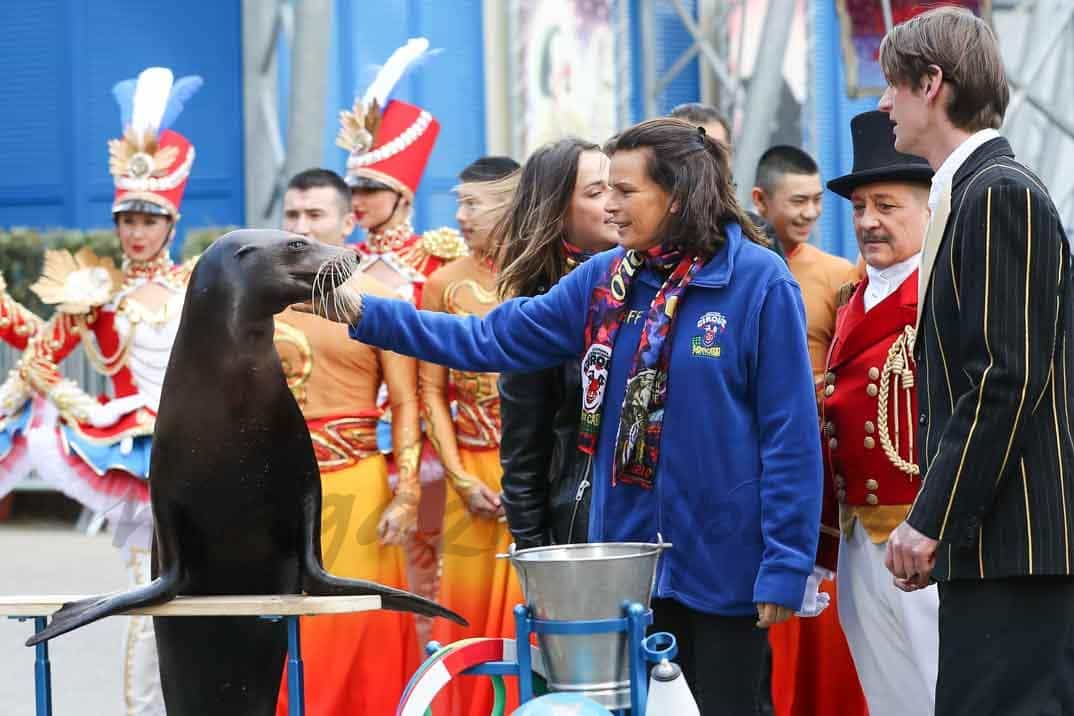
(394,69)
(150,100)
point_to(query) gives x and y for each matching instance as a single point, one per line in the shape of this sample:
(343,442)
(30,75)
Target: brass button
(833,444)
(869,427)
(872,390)
(828,391)
(829,378)
(874,373)
(871,484)
(841,495)
(840,481)
(871,499)
(869,443)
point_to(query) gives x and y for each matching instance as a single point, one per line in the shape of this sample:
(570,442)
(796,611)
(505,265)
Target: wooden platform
(255,605)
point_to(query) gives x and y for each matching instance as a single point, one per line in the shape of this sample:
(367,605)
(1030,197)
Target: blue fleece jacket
(738,485)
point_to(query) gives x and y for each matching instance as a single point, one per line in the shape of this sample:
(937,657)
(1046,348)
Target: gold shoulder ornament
(845,293)
(444,243)
(78,283)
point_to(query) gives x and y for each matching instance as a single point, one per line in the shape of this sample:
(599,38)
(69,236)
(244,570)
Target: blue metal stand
(296,682)
(296,696)
(42,670)
(641,650)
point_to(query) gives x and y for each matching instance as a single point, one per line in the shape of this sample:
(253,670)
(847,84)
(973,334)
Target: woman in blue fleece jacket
(699,417)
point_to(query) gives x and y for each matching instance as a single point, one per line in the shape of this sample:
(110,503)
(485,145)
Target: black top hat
(875,158)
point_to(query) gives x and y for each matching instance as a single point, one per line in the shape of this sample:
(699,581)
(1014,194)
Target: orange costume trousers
(475,584)
(813,673)
(357,663)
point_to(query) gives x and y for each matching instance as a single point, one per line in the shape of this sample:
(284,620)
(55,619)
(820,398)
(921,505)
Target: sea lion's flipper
(317,582)
(77,614)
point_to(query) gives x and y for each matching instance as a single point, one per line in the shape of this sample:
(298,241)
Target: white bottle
(668,693)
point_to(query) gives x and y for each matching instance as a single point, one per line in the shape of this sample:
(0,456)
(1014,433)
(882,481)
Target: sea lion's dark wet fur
(235,490)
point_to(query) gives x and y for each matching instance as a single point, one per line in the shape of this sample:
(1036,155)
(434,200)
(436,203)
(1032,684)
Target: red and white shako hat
(150,164)
(389,144)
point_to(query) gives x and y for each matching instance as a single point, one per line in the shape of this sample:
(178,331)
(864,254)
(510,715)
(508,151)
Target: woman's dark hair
(488,169)
(530,235)
(695,171)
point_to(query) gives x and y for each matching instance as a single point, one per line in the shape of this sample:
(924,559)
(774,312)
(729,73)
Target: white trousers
(893,635)
(141,674)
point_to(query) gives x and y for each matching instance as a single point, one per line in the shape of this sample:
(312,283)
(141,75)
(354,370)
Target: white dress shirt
(884,282)
(946,173)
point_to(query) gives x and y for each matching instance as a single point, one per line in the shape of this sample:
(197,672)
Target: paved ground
(39,557)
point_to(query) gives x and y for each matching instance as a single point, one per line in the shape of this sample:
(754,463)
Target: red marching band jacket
(869,419)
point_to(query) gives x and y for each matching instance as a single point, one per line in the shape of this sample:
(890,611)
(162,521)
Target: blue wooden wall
(60,59)
(451,84)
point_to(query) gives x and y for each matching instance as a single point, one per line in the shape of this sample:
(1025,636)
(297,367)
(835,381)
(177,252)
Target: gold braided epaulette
(845,293)
(444,243)
(898,375)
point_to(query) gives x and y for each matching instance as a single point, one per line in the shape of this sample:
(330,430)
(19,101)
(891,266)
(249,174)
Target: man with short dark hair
(787,194)
(811,665)
(317,204)
(703,115)
(363,525)
(992,522)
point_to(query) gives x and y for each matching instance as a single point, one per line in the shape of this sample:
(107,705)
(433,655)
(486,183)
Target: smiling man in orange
(811,666)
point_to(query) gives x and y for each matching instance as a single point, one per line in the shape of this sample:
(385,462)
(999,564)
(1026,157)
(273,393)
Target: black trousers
(1006,647)
(721,657)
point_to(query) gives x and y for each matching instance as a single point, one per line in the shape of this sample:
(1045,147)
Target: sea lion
(235,490)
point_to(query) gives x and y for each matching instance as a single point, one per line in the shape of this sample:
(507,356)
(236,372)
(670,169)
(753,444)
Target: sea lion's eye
(297,244)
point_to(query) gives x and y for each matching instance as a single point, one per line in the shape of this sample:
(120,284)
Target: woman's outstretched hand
(342,305)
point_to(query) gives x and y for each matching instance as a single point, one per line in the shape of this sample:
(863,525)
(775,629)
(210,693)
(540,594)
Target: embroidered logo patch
(594,376)
(712,324)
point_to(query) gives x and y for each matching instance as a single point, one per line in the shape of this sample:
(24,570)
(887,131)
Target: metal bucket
(581,582)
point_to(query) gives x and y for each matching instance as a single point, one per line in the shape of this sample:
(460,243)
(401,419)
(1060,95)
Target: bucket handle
(510,553)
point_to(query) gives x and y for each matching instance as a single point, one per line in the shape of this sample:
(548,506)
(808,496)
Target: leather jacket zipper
(578,497)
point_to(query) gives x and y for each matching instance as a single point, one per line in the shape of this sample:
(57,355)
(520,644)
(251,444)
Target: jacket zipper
(578,497)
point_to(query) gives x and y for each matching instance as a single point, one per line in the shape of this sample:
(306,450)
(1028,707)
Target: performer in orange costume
(355,663)
(389,143)
(473,582)
(812,670)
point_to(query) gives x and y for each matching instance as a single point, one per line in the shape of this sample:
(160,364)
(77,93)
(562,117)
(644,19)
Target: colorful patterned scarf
(574,256)
(637,441)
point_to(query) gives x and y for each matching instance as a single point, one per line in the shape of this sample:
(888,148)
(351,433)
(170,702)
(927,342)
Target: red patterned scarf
(637,441)
(574,256)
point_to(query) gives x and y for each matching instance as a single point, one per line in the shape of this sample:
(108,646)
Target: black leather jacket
(545,495)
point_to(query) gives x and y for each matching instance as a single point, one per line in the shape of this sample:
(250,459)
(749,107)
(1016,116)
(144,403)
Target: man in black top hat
(869,412)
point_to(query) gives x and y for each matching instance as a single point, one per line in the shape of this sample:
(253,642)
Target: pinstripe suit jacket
(994,363)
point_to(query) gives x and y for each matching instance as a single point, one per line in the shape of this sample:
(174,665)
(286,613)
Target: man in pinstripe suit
(992,522)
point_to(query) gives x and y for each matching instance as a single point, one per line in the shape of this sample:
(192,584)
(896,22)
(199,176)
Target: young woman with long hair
(698,419)
(556,222)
